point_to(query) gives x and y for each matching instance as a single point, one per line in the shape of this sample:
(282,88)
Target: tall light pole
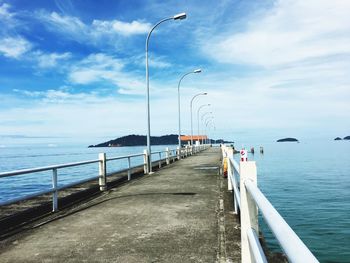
(178,100)
(199,94)
(204,114)
(211,125)
(204,105)
(207,121)
(149,161)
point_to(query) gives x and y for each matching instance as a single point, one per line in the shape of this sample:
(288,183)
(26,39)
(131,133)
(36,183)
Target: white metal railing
(167,156)
(242,180)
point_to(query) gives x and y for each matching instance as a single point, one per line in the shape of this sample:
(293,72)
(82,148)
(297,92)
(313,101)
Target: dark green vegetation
(288,140)
(140,140)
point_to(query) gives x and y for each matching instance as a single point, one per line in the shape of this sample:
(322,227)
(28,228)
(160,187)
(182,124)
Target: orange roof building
(186,138)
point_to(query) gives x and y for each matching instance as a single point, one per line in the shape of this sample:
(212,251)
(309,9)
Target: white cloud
(101,67)
(97,31)
(292,31)
(14,47)
(4,11)
(120,27)
(63,113)
(8,21)
(49,60)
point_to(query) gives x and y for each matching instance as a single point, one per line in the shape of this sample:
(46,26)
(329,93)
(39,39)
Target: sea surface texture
(308,183)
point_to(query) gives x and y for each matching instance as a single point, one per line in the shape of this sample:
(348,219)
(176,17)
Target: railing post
(102,180)
(55,193)
(145,162)
(129,172)
(249,210)
(178,153)
(229,174)
(229,154)
(167,159)
(160,160)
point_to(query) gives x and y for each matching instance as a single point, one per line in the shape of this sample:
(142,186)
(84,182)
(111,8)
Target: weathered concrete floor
(169,216)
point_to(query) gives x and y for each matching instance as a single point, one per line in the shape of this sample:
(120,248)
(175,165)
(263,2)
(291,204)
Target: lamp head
(197,71)
(180,16)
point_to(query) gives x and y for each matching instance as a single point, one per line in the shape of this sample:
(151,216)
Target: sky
(75,70)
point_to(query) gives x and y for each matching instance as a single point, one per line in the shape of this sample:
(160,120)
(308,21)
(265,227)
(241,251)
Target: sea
(307,182)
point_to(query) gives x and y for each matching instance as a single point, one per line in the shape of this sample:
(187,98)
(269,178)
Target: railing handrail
(102,176)
(46,168)
(65,165)
(293,246)
(124,157)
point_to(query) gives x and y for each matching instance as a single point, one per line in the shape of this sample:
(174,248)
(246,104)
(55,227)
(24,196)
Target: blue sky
(74,70)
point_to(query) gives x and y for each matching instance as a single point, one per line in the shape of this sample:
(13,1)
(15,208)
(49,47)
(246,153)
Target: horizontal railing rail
(294,248)
(170,155)
(45,168)
(247,200)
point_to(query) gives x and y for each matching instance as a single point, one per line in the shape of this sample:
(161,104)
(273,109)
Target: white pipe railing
(170,156)
(247,199)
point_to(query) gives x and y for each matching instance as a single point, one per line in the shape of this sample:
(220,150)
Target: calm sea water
(308,183)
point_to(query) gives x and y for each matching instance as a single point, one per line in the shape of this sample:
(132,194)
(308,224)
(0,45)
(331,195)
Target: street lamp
(178,100)
(204,114)
(211,125)
(199,94)
(149,161)
(207,121)
(204,105)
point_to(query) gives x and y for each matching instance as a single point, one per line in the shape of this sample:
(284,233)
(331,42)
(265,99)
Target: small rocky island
(345,138)
(288,140)
(141,140)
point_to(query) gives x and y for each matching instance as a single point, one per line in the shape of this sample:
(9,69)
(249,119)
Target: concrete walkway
(169,216)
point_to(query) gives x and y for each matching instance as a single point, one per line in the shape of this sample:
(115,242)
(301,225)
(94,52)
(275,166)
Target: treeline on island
(141,140)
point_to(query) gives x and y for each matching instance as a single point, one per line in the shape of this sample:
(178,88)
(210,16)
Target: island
(288,140)
(337,139)
(346,138)
(141,140)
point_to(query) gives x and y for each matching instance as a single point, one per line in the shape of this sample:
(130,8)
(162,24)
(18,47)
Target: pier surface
(176,214)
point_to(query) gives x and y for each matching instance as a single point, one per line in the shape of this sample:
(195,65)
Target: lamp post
(149,159)
(199,94)
(178,100)
(211,125)
(208,112)
(204,105)
(207,121)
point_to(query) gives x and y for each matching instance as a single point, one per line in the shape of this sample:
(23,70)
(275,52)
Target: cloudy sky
(75,70)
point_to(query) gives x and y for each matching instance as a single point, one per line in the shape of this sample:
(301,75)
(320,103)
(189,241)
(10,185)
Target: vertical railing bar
(55,193)
(255,247)
(160,160)
(129,172)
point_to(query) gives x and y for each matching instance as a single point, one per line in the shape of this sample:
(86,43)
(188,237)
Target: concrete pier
(181,213)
